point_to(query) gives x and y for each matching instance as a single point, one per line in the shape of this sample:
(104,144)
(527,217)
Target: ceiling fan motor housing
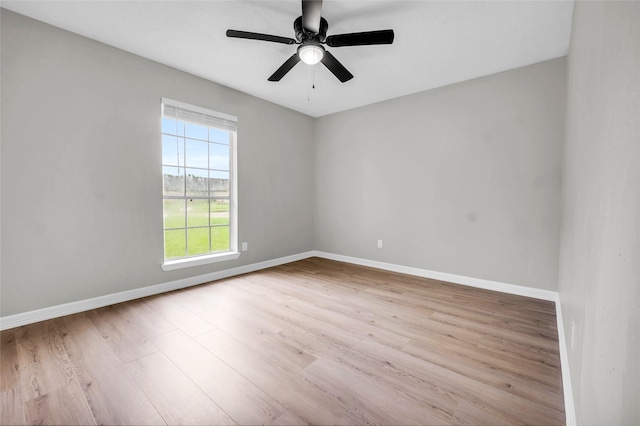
(302,35)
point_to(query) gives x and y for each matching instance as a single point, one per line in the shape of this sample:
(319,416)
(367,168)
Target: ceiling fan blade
(361,39)
(258,36)
(311,13)
(285,68)
(336,67)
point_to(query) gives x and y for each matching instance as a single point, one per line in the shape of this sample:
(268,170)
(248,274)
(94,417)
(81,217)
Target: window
(199,185)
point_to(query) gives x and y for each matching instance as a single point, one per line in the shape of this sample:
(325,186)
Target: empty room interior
(306,212)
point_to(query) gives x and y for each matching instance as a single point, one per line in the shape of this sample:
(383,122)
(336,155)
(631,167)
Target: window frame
(233,252)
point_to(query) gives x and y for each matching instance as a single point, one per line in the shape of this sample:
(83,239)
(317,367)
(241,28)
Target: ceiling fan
(311,33)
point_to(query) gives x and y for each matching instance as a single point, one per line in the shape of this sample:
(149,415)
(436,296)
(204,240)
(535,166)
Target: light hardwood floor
(315,341)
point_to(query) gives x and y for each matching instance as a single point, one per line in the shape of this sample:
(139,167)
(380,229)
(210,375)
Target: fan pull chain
(311,75)
(313,81)
(308,78)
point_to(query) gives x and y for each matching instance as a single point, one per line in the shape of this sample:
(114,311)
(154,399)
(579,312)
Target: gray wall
(599,281)
(465,179)
(81,176)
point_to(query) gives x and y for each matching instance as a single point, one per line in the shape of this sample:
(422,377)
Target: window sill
(171,265)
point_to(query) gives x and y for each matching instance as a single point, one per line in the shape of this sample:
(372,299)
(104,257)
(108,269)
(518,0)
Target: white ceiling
(436,42)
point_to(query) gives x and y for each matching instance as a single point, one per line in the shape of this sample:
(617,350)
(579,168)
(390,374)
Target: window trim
(188,262)
(233,253)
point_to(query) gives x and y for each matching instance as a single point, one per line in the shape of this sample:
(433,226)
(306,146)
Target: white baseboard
(31,317)
(569,407)
(443,276)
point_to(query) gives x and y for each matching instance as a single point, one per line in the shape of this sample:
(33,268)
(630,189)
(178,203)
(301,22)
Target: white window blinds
(205,117)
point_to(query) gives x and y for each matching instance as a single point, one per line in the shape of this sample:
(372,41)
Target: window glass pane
(174,213)
(172,150)
(173,180)
(219,212)
(174,244)
(197,182)
(169,125)
(197,153)
(218,156)
(197,212)
(219,183)
(195,131)
(219,238)
(198,241)
(219,135)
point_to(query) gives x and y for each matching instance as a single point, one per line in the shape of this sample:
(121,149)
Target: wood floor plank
(489,373)
(365,329)
(520,351)
(209,296)
(147,322)
(542,340)
(460,333)
(192,300)
(65,406)
(394,318)
(369,401)
(353,418)
(312,343)
(288,419)
(384,316)
(80,337)
(300,397)
(9,378)
(379,367)
(448,345)
(512,406)
(182,318)
(43,364)
(284,316)
(112,394)
(292,318)
(122,335)
(178,399)
(250,314)
(267,343)
(11,408)
(469,413)
(238,397)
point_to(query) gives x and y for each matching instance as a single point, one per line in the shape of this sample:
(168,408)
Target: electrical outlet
(379,243)
(245,246)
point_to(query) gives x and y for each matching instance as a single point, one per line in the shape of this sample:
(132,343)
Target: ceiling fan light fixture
(310,54)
